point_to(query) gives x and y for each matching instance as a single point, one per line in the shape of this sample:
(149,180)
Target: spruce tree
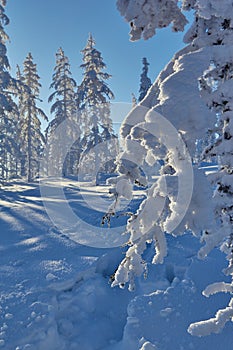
(145,82)
(188,113)
(216,85)
(9,150)
(64,91)
(64,108)
(207,58)
(21,90)
(93,99)
(33,139)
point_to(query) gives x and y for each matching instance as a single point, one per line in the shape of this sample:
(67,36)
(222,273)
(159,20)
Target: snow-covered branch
(146,16)
(213,325)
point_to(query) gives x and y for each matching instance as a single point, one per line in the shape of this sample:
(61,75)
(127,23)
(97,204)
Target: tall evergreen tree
(64,108)
(22,89)
(64,91)
(31,134)
(145,82)
(9,150)
(93,100)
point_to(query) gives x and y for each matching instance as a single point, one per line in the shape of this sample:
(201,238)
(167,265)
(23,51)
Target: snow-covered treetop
(62,80)
(64,86)
(31,90)
(146,16)
(93,90)
(31,78)
(145,82)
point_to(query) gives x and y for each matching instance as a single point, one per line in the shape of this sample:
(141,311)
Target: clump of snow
(148,346)
(213,325)
(146,16)
(217,287)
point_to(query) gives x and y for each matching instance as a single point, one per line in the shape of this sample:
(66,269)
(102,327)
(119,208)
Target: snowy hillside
(55,293)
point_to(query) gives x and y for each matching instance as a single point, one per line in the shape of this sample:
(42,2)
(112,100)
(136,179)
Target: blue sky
(41,27)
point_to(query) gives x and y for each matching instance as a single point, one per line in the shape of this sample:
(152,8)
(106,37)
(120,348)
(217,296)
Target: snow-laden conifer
(94,97)
(64,109)
(9,149)
(22,89)
(63,97)
(176,96)
(145,82)
(198,76)
(30,113)
(216,90)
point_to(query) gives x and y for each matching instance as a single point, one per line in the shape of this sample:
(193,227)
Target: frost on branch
(164,206)
(211,241)
(213,325)
(147,346)
(216,8)
(216,324)
(146,16)
(216,288)
(133,264)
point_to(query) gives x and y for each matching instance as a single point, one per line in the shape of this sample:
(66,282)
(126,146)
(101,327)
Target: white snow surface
(55,293)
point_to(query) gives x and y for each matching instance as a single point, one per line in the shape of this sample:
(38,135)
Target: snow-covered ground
(55,293)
